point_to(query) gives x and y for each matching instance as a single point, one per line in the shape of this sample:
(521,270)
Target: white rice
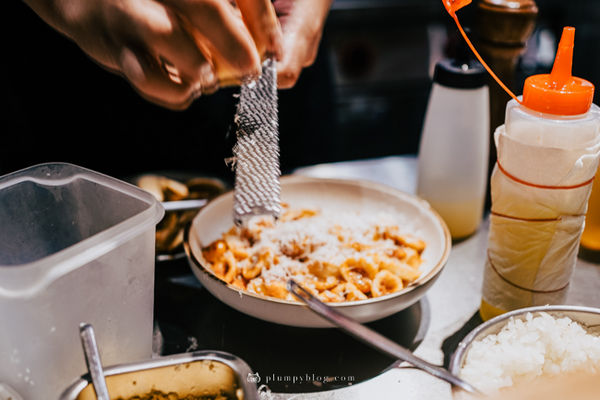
(541,345)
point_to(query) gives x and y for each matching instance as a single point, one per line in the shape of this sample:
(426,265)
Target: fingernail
(208,78)
(207,82)
(131,66)
(196,91)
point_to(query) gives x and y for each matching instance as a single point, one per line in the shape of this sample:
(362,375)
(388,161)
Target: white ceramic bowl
(298,191)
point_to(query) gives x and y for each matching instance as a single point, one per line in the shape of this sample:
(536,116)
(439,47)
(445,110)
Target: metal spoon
(184,205)
(374,339)
(92,359)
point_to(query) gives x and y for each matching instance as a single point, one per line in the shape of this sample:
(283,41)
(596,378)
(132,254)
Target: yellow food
(337,256)
(158,395)
(170,231)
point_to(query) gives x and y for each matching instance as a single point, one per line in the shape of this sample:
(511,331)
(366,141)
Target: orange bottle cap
(559,93)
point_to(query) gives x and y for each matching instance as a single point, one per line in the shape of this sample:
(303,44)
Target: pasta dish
(338,256)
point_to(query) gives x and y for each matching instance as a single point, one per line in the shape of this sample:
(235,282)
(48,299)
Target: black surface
(589,255)
(451,342)
(288,359)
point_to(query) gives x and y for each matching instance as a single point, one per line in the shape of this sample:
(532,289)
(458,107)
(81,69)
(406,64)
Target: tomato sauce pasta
(338,256)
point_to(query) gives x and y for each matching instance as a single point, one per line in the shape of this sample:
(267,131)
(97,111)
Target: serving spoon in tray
(92,359)
(374,339)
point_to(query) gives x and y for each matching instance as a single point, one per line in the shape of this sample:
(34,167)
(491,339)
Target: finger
(153,27)
(302,22)
(216,28)
(284,10)
(261,20)
(299,55)
(295,58)
(179,54)
(152,81)
(288,76)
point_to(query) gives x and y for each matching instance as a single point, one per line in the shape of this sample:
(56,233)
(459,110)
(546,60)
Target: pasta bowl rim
(432,274)
(459,355)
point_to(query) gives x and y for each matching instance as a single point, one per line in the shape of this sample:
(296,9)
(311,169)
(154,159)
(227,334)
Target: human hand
(171,51)
(302,22)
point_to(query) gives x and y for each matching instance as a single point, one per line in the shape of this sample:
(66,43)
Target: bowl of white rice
(518,347)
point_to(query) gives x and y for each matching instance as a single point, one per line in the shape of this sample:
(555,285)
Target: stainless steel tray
(220,371)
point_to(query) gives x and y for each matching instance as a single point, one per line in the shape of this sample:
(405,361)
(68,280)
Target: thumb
(261,20)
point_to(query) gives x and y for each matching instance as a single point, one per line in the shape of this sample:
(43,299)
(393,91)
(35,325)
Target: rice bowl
(522,345)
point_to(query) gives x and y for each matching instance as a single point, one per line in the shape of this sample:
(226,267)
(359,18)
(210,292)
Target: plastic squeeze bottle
(548,151)
(454,148)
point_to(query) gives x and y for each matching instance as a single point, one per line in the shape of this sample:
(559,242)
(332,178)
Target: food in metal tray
(158,395)
(337,255)
(202,379)
(170,231)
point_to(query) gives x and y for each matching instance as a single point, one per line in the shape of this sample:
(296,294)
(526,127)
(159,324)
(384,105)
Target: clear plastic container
(75,246)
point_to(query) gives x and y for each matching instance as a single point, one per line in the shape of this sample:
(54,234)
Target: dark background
(365,96)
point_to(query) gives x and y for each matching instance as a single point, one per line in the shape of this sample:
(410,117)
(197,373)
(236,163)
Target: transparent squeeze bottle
(548,153)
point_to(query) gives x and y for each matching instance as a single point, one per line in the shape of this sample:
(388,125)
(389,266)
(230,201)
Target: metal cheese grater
(256,153)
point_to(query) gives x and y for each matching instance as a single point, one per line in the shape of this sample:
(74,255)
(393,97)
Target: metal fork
(374,339)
